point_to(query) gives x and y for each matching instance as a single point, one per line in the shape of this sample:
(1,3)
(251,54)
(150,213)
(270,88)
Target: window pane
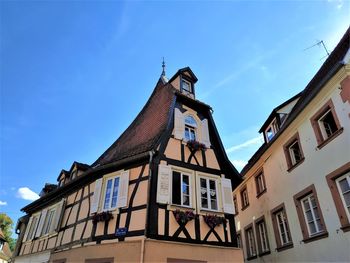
(187,134)
(204,194)
(193,135)
(108,194)
(347,199)
(185,190)
(344,186)
(306,205)
(115,192)
(176,196)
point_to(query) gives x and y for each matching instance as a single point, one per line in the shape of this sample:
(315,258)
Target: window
(2,242)
(239,240)
(271,130)
(235,204)
(339,185)
(47,228)
(261,233)
(208,193)
(32,227)
(190,128)
(281,228)
(343,184)
(181,193)
(111,193)
(74,174)
(293,152)
(186,86)
(309,214)
(250,242)
(260,184)
(244,198)
(326,124)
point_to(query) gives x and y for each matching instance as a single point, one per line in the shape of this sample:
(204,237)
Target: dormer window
(190,128)
(186,86)
(271,130)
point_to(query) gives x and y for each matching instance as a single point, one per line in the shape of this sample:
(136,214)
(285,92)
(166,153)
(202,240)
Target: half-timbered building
(162,192)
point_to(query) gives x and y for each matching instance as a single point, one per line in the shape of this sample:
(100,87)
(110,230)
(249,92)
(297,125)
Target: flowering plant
(183,217)
(103,216)
(195,145)
(214,220)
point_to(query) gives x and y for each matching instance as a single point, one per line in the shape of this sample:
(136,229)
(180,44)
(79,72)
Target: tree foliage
(6,225)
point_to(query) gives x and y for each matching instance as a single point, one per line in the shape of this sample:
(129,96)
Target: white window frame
(191,127)
(285,227)
(207,178)
(48,221)
(347,176)
(103,199)
(245,198)
(251,249)
(260,183)
(292,153)
(182,173)
(274,129)
(314,219)
(322,126)
(263,236)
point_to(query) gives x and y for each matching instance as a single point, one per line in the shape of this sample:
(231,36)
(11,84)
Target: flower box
(102,217)
(213,220)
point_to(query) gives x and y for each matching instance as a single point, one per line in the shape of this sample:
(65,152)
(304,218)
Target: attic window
(271,130)
(186,86)
(190,128)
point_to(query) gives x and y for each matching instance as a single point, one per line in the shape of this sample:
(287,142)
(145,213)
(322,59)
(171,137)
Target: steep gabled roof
(144,132)
(329,68)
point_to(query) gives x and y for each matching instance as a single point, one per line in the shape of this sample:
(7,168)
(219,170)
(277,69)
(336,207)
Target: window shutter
(205,133)
(96,197)
(163,184)
(55,225)
(123,189)
(179,125)
(27,228)
(41,223)
(227,199)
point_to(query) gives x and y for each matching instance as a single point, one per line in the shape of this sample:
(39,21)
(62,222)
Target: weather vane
(163,66)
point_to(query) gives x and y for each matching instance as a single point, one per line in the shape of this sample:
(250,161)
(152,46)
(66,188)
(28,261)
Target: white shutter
(27,228)
(41,223)
(179,125)
(163,184)
(56,222)
(123,189)
(205,133)
(96,197)
(227,198)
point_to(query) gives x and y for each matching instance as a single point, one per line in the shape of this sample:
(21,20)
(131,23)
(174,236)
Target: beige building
(294,202)
(162,192)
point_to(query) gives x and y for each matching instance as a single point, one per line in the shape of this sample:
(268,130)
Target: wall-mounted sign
(120,232)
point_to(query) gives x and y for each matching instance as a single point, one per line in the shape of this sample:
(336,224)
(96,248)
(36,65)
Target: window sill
(316,237)
(295,165)
(261,193)
(245,207)
(204,211)
(252,257)
(265,253)
(284,247)
(329,139)
(173,207)
(345,228)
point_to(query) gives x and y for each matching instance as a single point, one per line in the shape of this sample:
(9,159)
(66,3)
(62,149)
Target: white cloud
(3,203)
(239,164)
(27,194)
(254,141)
(338,3)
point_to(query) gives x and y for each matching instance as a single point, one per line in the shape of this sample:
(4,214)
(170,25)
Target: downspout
(151,153)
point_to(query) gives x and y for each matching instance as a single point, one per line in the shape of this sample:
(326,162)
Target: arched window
(190,128)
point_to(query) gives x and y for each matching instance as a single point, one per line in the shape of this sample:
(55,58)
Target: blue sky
(74,74)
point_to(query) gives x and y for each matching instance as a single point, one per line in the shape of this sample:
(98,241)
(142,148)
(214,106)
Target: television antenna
(319,43)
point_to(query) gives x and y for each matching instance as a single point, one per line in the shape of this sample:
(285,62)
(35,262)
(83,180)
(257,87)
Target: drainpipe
(151,153)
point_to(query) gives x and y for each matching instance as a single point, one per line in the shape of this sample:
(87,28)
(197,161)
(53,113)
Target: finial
(163,66)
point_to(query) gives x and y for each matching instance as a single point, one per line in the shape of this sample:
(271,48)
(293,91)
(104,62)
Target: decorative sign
(121,232)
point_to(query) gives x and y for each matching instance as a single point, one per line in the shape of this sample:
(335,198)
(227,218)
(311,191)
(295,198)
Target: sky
(74,74)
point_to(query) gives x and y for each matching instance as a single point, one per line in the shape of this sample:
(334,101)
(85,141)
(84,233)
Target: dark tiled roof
(327,70)
(145,131)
